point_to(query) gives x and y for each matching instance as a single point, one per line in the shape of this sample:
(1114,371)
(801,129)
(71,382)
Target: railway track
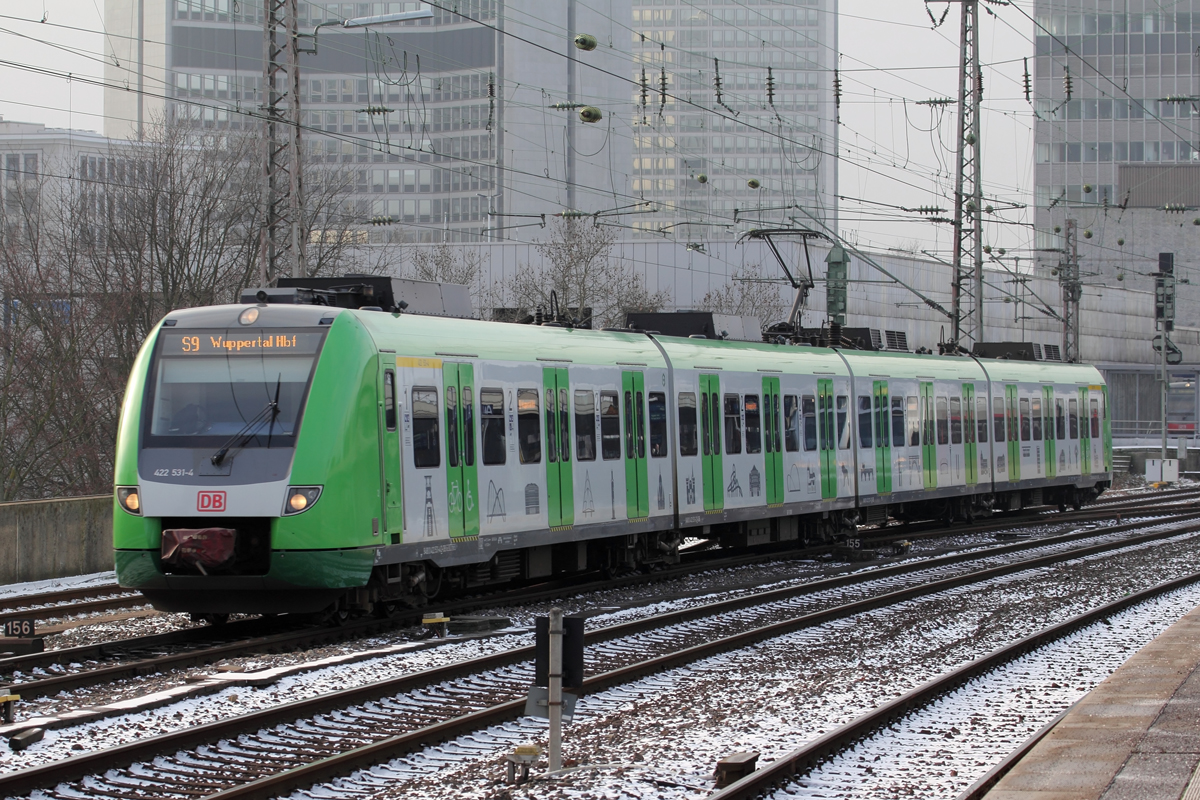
(269,752)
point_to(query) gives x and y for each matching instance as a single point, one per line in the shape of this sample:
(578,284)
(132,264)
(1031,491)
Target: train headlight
(301,498)
(129,500)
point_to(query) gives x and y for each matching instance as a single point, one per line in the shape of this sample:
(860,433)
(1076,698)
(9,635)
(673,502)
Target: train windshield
(210,386)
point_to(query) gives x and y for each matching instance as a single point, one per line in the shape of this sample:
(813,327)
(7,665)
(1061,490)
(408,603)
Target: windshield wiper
(239,439)
(271,430)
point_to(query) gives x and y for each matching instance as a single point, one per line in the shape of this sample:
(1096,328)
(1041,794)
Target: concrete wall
(42,539)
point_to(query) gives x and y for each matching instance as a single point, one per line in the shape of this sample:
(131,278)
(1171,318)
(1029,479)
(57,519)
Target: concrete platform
(1136,736)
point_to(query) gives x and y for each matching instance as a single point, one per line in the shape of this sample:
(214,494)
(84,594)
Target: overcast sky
(894,152)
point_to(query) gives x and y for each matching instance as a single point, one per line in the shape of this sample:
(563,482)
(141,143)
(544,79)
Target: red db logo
(210,501)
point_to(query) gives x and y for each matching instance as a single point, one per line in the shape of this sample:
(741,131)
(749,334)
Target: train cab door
(883,439)
(827,438)
(1014,434)
(710,434)
(633,407)
(560,485)
(928,436)
(462,486)
(772,442)
(1050,431)
(389,454)
(1085,434)
(970,445)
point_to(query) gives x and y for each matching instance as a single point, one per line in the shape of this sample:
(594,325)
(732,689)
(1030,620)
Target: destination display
(207,343)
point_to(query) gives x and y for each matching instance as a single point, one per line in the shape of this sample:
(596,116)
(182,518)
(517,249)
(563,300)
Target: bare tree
(750,292)
(459,264)
(578,266)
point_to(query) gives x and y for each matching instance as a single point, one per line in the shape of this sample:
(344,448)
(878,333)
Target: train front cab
(289,393)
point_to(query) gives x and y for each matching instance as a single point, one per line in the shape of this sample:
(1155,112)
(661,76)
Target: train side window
(998,419)
(452,425)
(1095,404)
(1037,419)
(658,424)
(585,425)
(389,399)
(1025,429)
(705,424)
(956,426)
(981,419)
(491,424)
(864,422)
(733,424)
(943,420)
(913,416)
(1060,420)
(610,426)
(753,425)
(529,429)
(791,422)
(468,416)
(809,410)
(843,418)
(687,424)
(427,452)
(1073,417)
(897,422)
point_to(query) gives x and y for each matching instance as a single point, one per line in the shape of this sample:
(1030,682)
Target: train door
(928,440)
(710,434)
(772,443)
(1014,435)
(633,405)
(1050,431)
(1085,439)
(462,488)
(827,438)
(389,454)
(1106,425)
(560,490)
(883,439)
(970,446)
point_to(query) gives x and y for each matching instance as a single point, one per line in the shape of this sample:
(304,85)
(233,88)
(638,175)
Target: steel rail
(100,761)
(803,759)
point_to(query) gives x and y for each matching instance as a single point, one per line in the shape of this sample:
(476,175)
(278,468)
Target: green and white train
(301,458)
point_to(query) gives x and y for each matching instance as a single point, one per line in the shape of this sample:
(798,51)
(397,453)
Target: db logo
(210,501)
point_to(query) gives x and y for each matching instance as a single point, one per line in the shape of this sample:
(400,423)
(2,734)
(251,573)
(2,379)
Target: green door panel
(1050,431)
(389,454)
(928,436)
(827,438)
(462,491)
(1085,433)
(1106,429)
(970,446)
(710,425)
(560,488)
(772,443)
(1014,434)
(883,438)
(633,405)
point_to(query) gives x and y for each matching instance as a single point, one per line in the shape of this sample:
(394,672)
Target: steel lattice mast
(281,246)
(967,290)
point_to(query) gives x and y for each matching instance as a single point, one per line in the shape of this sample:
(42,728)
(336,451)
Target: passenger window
(714,409)
(1095,404)
(1037,419)
(529,439)
(564,426)
(1060,420)
(491,423)
(733,424)
(914,422)
(687,424)
(981,419)
(427,453)
(943,421)
(791,422)
(585,425)
(843,414)
(1073,417)
(389,399)
(956,436)
(551,428)
(753,425)
(630,443)
(452,425)
(864,422)
(468,418)
(640,416)
(1025,429)
(610,426)
(998,419)
(897,422)
(658,425)
(810,423)
(773,414)
(705,424)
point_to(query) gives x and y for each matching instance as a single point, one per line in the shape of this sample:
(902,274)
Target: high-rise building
(1115,85)
(747,127)
(458,127)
